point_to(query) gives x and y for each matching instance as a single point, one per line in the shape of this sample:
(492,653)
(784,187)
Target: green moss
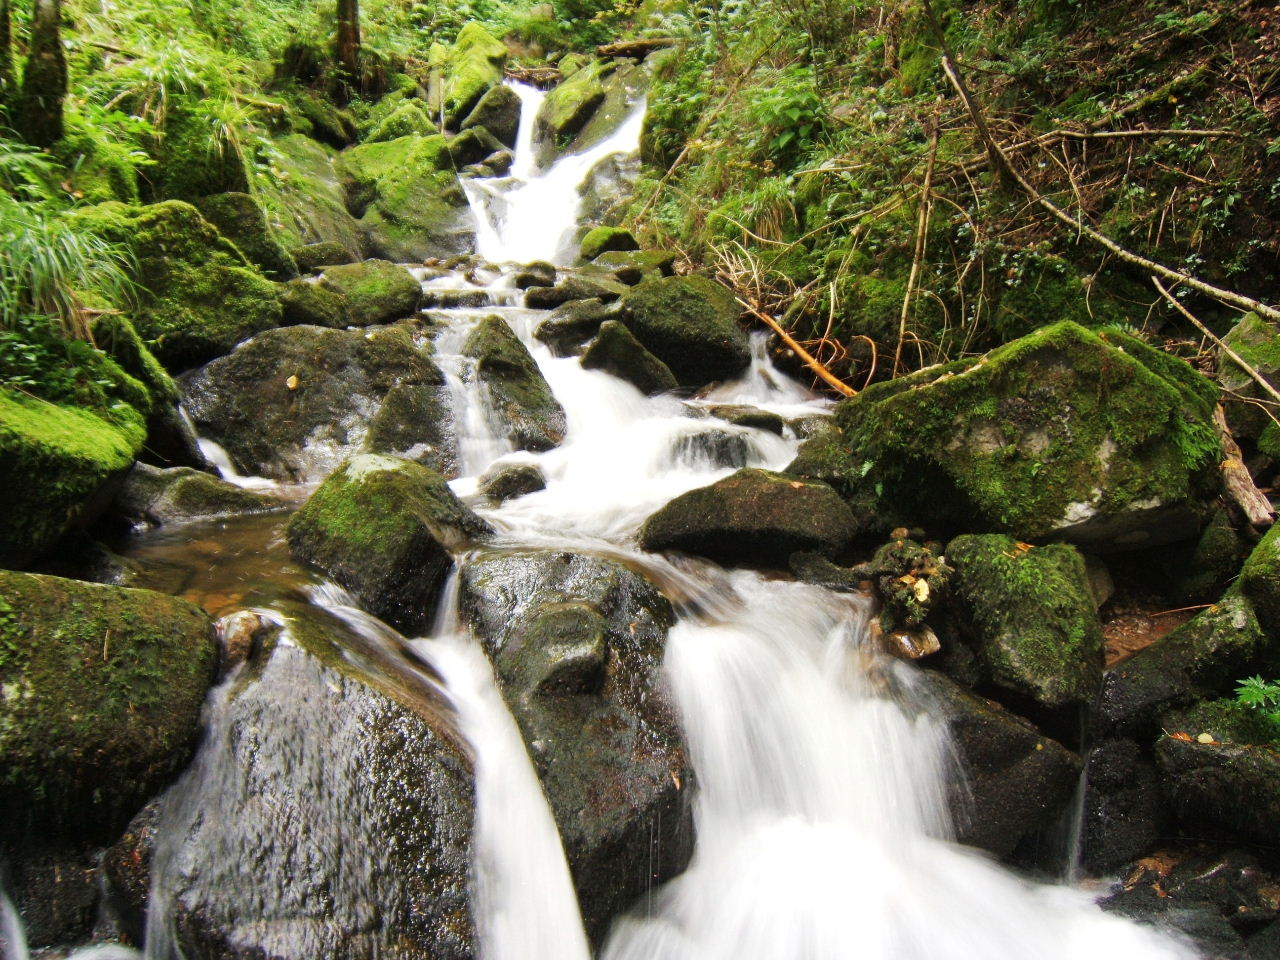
(116,335)
(691,325)
(475,64)
(303,198)
(102,690)
(314,303)
(516,388)
(239,218)
(410,118)
(1258,344)
(1260,581)
(1031,615)
(376,291)
(569,107)
(98,169)
(1227,721)
(1047,289)
(604,239)
(193,163)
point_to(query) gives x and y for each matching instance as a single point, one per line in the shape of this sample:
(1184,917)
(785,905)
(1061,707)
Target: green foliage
(1261,695)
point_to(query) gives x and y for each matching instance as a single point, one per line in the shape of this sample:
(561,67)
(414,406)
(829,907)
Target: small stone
(237,633)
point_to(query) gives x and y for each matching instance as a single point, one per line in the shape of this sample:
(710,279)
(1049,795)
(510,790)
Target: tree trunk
(6,62)
(348,46)
(44,81)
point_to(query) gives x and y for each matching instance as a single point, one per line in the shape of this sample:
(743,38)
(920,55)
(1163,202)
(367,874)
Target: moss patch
(517,390)
(475,64)
(691,325)
(376,291)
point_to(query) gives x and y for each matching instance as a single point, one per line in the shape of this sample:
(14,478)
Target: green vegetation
(1262,697)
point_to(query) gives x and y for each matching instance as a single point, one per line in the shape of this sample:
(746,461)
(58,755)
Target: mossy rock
(201,296)
(240,219)
(511,481)
(1260,581)
(1224,720)
(1197,571)
(691,325)
(1029,613)
(407,195)
(568,108)
(474,146)
(617,352)
(408,119)
(576,286)
(625,85)
(636,266)
(519,394)
(498,112)
(1222,790)
(58,465)
(475,65)
(156,497)
(102,691)
(317,304)
(305,199)
(192,164)
(1048,288)
(325,253)
(753,516)
(604,239)
(323,120)
(383,528)
(1090,437)
(376,291)
(573,323)
(98,169)
(293,403)
(1257,342)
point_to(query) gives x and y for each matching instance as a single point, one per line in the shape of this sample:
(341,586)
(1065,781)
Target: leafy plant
(1261,695)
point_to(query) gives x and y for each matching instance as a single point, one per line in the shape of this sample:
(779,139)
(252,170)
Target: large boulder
(1260,581)
(1029,614)
(385,529)
(518,393)
(307,198)
(200,296)
(573,323)
(1257,342)
(408,199)
(498,111)
(577,642)
(102,688)
(691,325)
(376,291)
(616,351)
(1015,781)
(475,65)
(60,466)
(606,239)
(408,119)
(307,302)
(1070,434)
(156,497)
(333,767)
(1222,790)
(753,516)
(292,403)
(568,108)
(239,218)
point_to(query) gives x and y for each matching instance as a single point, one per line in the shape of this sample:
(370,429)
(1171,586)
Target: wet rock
(239,218)
(310,202)
(498,112)
(151,496)
(1016,781)
(1029,613)
(199,295)
(572,324)
(1223,790)
(100,696)
(1124,810)
(334,768)
(604,239)
(753,417)
(324,121)
(438,299)
(711,446)
(475,66)
(574,287)
(292,403)
(60,467)
(1254,340)
(385,528)
(691,325)
(536,274)
(1093,438)
(304,302)
(517,390)
(753,516)
(567,109)
(636,266)
(500,163)
(1260,582)
(376,291)
(512,481)
(607,190)
(617,352)
(577,645)
(407,197)
(473,145)
(326,253)
(238,633)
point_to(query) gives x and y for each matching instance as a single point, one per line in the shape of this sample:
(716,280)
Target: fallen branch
(638,49)
(1236,481)
(826,375)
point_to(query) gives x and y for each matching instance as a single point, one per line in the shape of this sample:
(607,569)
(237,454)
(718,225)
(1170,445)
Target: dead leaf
(292,382)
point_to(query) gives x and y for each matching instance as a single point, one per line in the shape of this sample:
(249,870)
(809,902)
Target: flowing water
(822,829)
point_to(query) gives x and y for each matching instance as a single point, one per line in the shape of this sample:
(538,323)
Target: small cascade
(13,939)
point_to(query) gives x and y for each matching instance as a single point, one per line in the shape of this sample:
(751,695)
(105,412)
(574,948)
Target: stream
(818,797)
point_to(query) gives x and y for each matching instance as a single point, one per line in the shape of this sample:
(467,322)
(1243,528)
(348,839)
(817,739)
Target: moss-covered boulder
(568,108)
(1223,790)
(606,239)
(1015,781)
(1257,342)
(58,466)
(384,528)
(573,323)
(636,266)
(321,120)
(509,481)
(1029,614)
(200,296)
(156,497)
(753,516)
(324,253)
(193,163)
(616,351)
(691,325)
(408,198)
(308,201)
(293,403)
(577,644)
(1089,437)
(376,291)
(517,391)
(100,696)
(240,219)
(475,65)
(408,119)
(498,111)
(341,777)
(304,301)
(576,286)
(1260,581)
